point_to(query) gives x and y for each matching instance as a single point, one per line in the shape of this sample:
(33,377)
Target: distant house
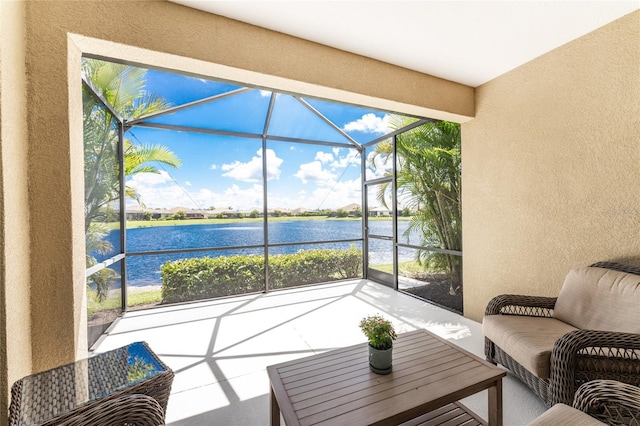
(190,213)
(279,211)
(379,211)
(299,211)
(135,212)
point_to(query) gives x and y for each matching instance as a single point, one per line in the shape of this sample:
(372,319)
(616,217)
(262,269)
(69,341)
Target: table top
(337,387)
(43,396)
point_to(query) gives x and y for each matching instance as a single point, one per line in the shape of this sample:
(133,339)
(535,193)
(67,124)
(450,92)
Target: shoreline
(133,224)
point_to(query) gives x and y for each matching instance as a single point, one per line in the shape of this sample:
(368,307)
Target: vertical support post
(123,212)
(265,220)
(394,214)
(365,211)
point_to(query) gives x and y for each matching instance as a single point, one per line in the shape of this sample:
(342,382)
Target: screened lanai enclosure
(198,189)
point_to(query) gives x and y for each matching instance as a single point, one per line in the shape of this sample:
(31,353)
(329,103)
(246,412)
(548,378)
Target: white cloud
(380,167)
(324,157)
(213,167)
(243,198)
(334,195)
(159,191)
(252,170)
(187,183)
(149,179)
(352,158)
(314,171)
(265,93)
(369,123)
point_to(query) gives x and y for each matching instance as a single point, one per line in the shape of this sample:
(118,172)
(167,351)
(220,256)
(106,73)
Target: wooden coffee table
(429,376)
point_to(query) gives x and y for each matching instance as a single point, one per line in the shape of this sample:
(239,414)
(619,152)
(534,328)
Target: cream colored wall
(43,306)
(553,111)
(15,330)
(551,165)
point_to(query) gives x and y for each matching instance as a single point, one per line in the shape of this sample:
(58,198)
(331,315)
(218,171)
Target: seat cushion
(600,299)
(528,340)
(563,415)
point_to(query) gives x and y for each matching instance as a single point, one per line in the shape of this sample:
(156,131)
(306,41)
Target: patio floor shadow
(219,349)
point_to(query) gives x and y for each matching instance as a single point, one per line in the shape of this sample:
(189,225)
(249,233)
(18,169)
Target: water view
(144,270)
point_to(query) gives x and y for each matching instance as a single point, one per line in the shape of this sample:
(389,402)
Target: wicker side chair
(127,410)
(577,357)
(606,402)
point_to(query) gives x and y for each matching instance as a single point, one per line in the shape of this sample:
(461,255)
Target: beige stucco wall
(548,169)
(551,164)
(15,321)
(42,251)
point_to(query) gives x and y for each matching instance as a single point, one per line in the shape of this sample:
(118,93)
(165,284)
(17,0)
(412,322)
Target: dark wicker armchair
(126,410)
(606,401)
(580,355)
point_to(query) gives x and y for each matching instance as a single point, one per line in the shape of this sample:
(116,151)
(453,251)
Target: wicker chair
(606,401)
(127,410)
(580,355)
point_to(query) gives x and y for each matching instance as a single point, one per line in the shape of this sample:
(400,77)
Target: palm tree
(429,184)
(123,88)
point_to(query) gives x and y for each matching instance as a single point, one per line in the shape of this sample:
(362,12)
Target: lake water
(144,270)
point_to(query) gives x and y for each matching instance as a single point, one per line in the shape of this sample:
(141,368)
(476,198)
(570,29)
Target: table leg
(275,410)
(495,403)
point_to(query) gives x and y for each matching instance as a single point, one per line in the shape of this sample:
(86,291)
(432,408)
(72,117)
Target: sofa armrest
(583,355)
(514,304)
(609,401)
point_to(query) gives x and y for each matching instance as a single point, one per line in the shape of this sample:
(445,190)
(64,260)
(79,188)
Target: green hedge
(207,277)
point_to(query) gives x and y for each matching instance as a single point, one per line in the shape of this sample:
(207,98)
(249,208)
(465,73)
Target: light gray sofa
(555,344)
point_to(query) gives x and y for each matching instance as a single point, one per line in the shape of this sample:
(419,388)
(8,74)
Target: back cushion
(600,299)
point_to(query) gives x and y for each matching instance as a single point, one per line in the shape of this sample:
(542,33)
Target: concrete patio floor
(219,350)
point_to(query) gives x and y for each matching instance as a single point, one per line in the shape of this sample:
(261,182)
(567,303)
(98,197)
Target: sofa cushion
(528,340)
(563,415)
(600,299)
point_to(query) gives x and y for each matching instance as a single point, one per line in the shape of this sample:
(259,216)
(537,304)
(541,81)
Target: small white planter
(380,360)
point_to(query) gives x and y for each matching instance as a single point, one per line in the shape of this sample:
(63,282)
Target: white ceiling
(470,42)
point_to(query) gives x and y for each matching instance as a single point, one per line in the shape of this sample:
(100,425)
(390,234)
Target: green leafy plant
(429,182)
(379,331)
(206,277)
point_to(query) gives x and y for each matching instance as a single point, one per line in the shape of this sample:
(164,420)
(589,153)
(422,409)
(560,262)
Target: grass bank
(133,299)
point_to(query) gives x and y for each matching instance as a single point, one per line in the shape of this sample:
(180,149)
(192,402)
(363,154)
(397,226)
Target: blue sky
(225,171)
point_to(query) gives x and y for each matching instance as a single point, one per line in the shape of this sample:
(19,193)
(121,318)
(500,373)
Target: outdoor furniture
(596,403)
(129,410)
(555,344)
(428,378)
(128,385)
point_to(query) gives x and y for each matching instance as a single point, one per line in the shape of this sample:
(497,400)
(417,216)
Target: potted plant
(381,334)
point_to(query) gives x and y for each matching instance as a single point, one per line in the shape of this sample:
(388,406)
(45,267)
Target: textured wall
(15,330)
(551,164)
(50,226)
